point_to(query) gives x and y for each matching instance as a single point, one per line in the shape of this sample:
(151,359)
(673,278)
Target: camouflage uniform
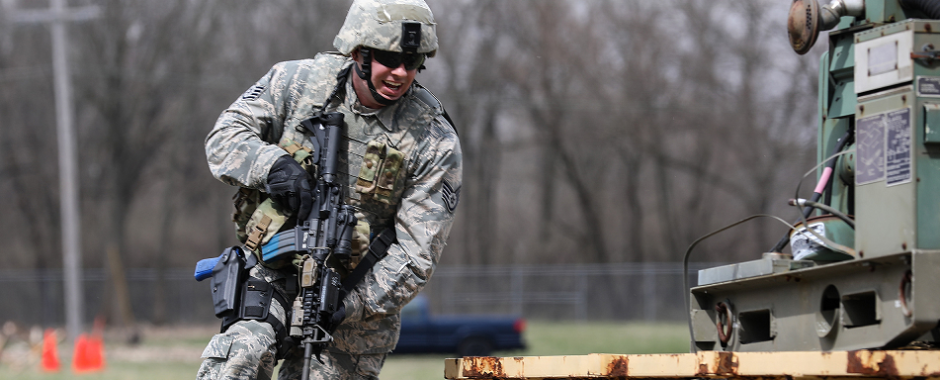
(418,201)
(401,168)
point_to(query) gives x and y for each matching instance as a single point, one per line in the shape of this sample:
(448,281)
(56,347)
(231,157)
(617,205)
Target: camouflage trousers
(247,350)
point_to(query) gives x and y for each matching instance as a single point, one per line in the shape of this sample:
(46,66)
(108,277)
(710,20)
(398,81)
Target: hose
(930,8)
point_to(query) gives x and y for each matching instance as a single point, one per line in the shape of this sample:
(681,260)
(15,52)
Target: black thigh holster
(227,277)
(238,296)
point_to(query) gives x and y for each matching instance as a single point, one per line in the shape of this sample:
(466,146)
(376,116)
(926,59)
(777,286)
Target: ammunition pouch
(379,175)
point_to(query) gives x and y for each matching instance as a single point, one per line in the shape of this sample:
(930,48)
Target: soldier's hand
(289,186)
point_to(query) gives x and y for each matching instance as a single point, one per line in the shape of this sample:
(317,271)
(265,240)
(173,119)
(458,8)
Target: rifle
(327,232)
(325,235)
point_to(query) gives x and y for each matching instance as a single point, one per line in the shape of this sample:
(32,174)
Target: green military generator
(864,271)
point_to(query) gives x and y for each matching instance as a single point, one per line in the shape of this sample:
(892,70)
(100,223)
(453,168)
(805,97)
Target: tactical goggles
(393,59)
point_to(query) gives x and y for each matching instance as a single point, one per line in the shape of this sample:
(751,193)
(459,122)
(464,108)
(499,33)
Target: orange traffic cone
(50,354)
(96,353)
(89,354)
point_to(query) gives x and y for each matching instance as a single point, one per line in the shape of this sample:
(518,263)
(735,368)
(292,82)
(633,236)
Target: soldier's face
(390,82)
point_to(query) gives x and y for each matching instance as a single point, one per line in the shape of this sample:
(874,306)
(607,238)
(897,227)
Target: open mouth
(392,85)
(392,90)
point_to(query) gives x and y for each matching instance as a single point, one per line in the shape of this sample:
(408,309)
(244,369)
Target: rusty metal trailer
(867,364)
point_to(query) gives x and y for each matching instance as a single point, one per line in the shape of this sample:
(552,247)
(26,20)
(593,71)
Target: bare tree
(599,131)
(134,91)
(28,155)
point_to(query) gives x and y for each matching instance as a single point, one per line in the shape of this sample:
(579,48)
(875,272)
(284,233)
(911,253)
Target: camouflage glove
(289,186)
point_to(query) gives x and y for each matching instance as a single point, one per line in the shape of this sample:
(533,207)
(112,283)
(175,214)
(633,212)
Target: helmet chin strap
(365,72)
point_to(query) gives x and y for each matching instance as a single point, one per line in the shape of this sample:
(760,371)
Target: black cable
(830,164)
(826,208)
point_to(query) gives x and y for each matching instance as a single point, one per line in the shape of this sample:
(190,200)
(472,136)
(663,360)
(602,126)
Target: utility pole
(57,15)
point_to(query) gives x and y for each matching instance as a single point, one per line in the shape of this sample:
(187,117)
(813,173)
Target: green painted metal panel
(841,80)
(931,128)
(883,11)
(843,100)
(900,213)
(927,145)
(885,222)
(927,153)
(843,54)
(875,11)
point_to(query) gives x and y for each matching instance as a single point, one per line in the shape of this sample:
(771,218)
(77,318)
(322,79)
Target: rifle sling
(378,249)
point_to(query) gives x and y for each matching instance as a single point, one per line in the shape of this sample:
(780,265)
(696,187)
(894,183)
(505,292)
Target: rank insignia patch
(253,93)
(451,196)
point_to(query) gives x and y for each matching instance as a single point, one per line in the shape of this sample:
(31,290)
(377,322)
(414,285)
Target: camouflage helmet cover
(378,24)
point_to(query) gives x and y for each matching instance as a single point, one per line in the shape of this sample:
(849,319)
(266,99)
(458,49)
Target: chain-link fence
(174,297)
(626,291)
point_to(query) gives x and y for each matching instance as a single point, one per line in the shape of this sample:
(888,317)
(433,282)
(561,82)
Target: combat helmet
(401,26)
(391,25)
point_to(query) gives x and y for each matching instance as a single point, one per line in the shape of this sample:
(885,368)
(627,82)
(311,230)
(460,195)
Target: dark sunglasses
(394,59)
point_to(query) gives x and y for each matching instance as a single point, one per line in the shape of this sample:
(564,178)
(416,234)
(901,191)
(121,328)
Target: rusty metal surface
(865,364)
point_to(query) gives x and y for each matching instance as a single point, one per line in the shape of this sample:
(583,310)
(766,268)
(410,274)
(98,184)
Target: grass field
(174,354)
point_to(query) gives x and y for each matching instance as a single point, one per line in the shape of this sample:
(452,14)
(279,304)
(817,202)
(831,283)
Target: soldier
(401,165)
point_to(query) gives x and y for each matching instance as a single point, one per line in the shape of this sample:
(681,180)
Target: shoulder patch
(253,93)
(451,196)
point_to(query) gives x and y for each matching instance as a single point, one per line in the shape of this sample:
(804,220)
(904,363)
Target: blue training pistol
(204,267)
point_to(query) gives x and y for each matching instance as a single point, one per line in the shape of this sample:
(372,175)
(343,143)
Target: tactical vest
(375,166)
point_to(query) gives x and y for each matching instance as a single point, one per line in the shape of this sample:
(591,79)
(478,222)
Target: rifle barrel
(308,352)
